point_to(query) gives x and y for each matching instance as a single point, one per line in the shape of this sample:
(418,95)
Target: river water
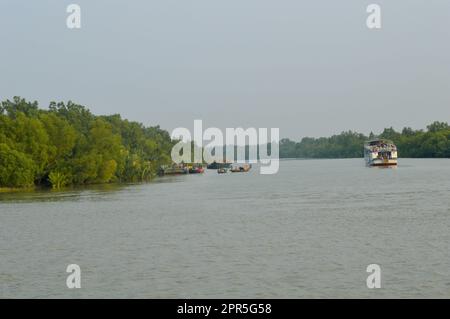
(309,231)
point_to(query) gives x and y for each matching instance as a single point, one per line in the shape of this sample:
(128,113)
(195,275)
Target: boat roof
(380,140)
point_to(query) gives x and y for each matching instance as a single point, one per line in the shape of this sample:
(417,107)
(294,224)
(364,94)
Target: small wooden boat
(222,170)
(241,169)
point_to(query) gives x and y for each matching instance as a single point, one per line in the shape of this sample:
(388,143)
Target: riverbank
(68,145)
(16,190)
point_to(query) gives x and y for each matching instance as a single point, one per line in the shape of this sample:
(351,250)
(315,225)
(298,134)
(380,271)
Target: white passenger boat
(380,152)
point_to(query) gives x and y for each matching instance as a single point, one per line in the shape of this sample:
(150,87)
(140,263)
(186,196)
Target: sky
(309,68)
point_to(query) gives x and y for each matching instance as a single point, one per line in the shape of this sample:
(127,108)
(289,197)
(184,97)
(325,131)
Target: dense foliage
(68,145)
(434,142)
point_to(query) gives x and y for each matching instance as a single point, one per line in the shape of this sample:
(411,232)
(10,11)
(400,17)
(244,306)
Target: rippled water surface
(308,231)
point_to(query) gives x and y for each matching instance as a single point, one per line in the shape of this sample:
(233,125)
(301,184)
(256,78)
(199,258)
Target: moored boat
(380,152)
(217,165)
(222,170)
(175,169)
(241,168)
(196,169)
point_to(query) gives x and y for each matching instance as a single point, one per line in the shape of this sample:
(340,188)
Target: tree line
(68,145)
(429,143)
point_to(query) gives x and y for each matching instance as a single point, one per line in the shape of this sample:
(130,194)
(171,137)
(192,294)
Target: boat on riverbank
(380,152)
(175,169)
(180,169)
(241,168)
(217,165)
(196,169)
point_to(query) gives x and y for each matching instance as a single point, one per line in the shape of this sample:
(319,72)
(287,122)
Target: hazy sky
(308,67)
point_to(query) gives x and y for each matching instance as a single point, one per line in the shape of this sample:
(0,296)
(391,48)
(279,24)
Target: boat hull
(216,165)
(173,171)
(378,162)
(241,169)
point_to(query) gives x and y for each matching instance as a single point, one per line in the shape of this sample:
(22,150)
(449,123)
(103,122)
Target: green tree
(16,168)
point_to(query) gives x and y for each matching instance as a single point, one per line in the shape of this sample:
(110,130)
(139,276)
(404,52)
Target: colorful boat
(196,169)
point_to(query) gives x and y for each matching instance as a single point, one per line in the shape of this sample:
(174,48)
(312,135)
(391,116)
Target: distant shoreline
(434,142)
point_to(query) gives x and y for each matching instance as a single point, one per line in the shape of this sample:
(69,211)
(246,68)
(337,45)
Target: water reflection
(68,193)
(86,192)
